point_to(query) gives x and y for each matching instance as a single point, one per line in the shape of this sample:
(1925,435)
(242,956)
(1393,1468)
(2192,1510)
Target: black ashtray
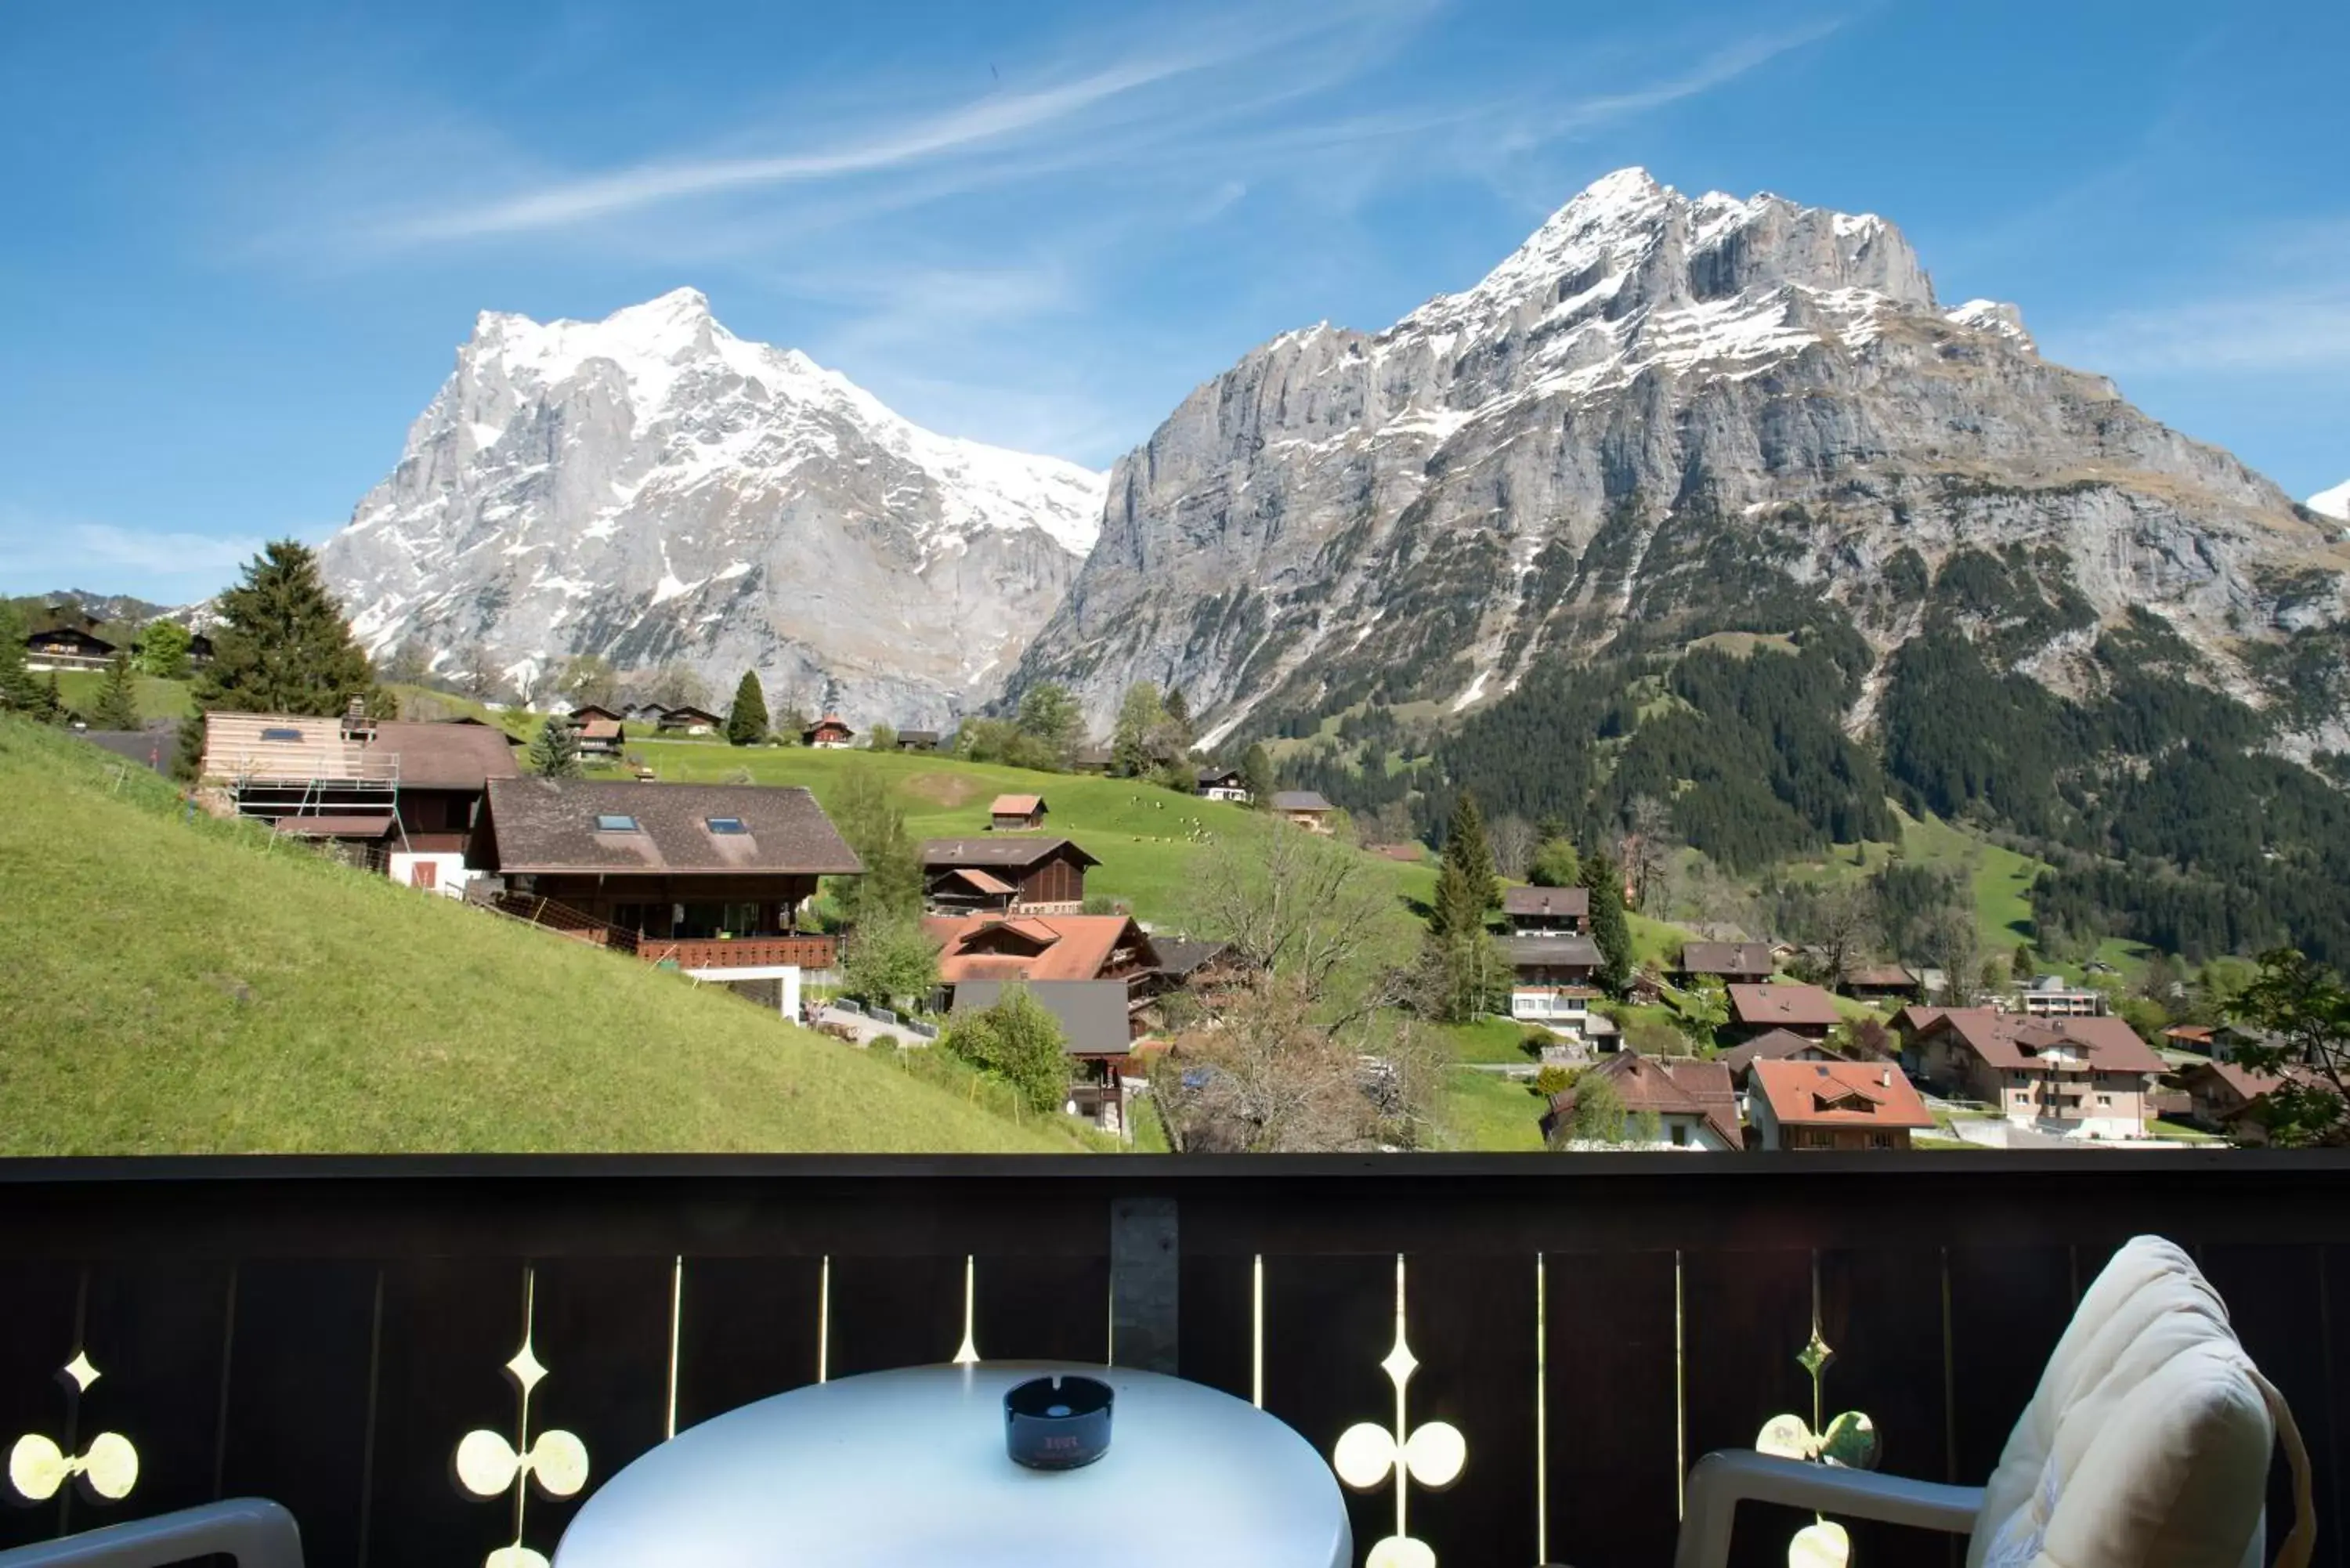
(1057,1422)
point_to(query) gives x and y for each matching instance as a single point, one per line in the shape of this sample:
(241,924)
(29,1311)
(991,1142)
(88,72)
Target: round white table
(907,1468)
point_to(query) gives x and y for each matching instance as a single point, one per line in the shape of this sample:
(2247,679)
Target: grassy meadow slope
(1151,841)
(171,985)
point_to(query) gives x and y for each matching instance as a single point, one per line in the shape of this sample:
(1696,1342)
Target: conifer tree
(554,750)
(746,721)
(116,705)
(51,707)
(19,693)
(1466,847)
(1257,771)
(282,646)
(1609,928)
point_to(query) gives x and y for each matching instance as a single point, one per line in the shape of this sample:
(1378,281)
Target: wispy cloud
(1717,69)
(2281,330)
(166,566)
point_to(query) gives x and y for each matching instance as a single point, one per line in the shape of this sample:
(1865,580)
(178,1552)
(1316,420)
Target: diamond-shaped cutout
(1400,1362)
(525,1367)
(1815,1356)
(81,1370)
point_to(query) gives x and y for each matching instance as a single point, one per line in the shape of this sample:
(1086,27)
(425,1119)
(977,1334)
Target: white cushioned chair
(253,1530)
(2146,1443)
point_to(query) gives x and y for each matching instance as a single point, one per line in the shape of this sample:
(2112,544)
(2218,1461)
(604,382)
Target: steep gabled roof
(998,851)
(1056,947)
(1839,1094)
(1015,805)
(2009,1041)
(1564,902)
(1298,800)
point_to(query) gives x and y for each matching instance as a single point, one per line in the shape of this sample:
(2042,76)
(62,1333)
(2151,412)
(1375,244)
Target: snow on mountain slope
(2334,502)
(1656,411)
(652,488)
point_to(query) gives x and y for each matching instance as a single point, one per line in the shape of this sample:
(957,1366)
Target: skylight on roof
(724,824)
(613,822)
(281,732)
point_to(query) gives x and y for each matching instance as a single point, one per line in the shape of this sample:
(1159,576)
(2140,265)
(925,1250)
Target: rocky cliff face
(1662,408)
(654,489)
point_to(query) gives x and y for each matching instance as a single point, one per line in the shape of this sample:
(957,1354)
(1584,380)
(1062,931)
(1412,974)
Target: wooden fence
(325,1331)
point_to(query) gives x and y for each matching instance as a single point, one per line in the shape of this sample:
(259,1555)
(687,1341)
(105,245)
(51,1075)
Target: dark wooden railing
(325,1331)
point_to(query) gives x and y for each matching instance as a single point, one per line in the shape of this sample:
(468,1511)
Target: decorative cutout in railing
(487,1465)
(1432,1455)
(1850,1440)
(109,1468)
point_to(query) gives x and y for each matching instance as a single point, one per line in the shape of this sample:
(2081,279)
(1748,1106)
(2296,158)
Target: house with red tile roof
(2228,1098)
(1693,1103)
(2079,1077)
(1036,948)
(1834,1105)
(1803,1010)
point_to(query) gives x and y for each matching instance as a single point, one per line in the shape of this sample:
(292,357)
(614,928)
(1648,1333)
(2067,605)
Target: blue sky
(242,242)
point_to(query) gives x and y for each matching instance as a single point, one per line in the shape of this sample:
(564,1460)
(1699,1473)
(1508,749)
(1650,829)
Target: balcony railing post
(1144,1255)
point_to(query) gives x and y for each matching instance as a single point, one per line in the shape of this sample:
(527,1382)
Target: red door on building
(426,873)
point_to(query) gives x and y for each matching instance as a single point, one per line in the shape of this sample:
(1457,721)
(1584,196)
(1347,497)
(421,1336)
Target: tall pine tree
(554,752)
(746,721)
(117,704)
(1466,847)
(282,645)
(1609,928)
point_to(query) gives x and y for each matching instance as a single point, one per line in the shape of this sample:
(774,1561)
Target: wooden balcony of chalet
(325,1331)
(804,951)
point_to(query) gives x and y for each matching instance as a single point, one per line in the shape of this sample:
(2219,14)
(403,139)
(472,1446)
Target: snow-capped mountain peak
(2334,502)
(653,487)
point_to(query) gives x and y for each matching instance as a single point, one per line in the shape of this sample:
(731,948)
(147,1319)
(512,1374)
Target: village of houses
(714,880)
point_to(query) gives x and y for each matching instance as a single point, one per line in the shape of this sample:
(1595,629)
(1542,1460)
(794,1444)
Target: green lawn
(1486,1039)
(1486,1112)
(178,986)
(157,698)
(1151,842)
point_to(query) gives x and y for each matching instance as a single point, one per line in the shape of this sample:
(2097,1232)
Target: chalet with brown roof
(1550,980)
(1805,1010)
(1745,962)
(1547,911)
(2228,1098)
(1004,875)
(917,740)
(1693,1103)
(2080,1077)
(691,721)
(828,733)
(599,739)
(1015,813)
(589,712)
(1833,1105)
(1880,982)
(2195,1037)
(1305,808)
(404,795)
(664,864)
(1037,949)
(1773,1046)
(1222,783)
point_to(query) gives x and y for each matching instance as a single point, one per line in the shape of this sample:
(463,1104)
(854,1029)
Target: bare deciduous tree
(1295,904)
(1648,845)
(1262,1078)
(1513,841)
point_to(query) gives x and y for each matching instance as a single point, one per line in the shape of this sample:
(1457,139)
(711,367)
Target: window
(2105,1099)
(614,822)
(281,732)
(1680,1135)
(1880,1140)
(724,824)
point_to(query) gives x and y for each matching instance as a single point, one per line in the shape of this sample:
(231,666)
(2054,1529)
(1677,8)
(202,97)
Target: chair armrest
(256,1533)
(1723,1480)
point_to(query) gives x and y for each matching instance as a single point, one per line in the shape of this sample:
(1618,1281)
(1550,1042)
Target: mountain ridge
(651,488)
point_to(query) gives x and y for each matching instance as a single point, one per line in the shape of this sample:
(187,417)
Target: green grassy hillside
(1150,841)
(180,986)
(157,698)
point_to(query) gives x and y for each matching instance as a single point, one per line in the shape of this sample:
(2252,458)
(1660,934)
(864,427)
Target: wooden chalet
(1547,911)
(593,712)
(1099,1031)
(689,720)
(66,648)
(1038,947)
(1305,808)
(406,793)
(1774,1045)
(1880,982)
(1747,962)
(2227,1098)
(1004,875)
(600,738)
(1834,1105)
(1017,813)
(917,740)
(1692,1102)
(1549,979)
(1222,783)
(675,864)
(1803,1010)
(828,733)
